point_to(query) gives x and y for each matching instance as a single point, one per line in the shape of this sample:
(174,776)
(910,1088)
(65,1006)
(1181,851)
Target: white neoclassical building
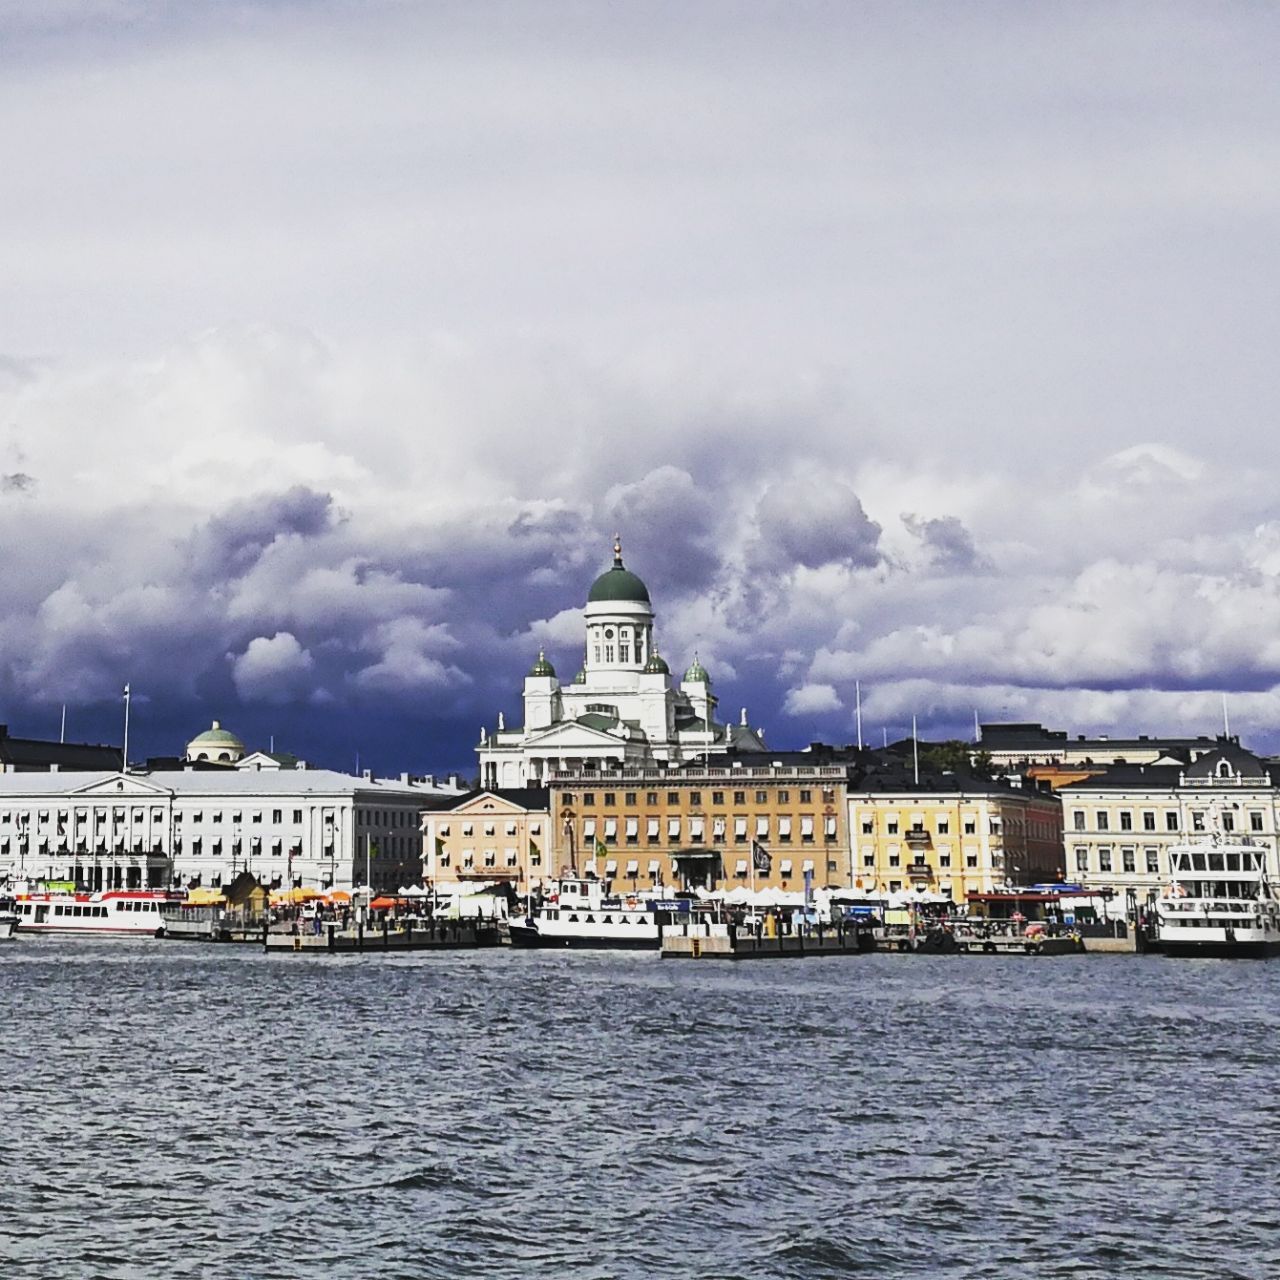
(313,828)
(621,709)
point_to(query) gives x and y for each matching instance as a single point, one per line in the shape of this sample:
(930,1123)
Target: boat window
(1197,861)
(606,919)
(59,910)
(1215,862)
(1233,861)
(100,912)
(591,919)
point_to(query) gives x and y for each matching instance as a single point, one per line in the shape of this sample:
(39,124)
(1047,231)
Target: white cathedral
(621,710)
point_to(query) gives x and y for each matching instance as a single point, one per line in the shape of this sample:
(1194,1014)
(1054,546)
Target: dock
(719,941)
(408,935)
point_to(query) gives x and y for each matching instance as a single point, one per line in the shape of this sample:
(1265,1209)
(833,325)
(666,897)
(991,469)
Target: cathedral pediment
(573,733)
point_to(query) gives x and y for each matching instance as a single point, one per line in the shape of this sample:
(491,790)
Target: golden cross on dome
(617,549)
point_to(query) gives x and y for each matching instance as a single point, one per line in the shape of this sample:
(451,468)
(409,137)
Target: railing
(693,773)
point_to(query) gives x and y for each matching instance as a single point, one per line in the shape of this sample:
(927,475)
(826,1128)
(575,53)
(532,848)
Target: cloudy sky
(930,346)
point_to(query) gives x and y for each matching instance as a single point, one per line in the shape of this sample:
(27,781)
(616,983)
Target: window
(944,826)
(762,797)
(717,797)
(673,797)
(1104,859)
(739,797)
(1077,819)
(1104,821)
(651,797)
(1148,820)
(297,815)
(588,798)
(1127,857)
(892,826)
(610,799)
(971,827)
(944,859)
(806,797)
(895,860)
(1126,820)
(784,830)
(1228,822)
(624,653)
(1153,862)
(868,826)
(1255,822)
(868,859)
(695,797)
(629,798)
(970,860)
(784,797)
(1171,820)
(1197,822)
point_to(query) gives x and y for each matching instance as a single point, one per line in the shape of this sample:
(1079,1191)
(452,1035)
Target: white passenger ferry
(1219,902)
(588,914)
(115,911)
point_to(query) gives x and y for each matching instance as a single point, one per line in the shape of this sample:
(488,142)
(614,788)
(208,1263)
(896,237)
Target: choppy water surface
(214,1112)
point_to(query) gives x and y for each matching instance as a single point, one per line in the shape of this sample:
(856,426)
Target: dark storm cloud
(949,544)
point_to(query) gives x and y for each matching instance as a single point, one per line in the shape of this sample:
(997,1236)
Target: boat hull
(526,936)
(8,927)
(1249,950)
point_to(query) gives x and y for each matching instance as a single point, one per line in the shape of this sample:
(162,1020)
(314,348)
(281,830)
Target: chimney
(367,774)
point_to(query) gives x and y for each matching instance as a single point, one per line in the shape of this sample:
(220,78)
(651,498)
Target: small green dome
(542,667)
(657,665)
(697,673)
(617,583)
(217,736)
(581,677)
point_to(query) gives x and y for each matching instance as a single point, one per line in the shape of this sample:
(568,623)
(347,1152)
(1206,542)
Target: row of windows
(44,817)
(1128,860)
(944,860)
(490,828)
(943,824)
(1171,820)
(783,829)
(609,799)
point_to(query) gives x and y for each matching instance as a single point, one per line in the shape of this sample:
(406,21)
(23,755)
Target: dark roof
(26,755)
(1240,761)
(525,797)
(1130,776)
(1025,737)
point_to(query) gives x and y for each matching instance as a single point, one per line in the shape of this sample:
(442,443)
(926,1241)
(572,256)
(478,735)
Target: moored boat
(587,914)
(114,911)
(1219,902)
(8,919)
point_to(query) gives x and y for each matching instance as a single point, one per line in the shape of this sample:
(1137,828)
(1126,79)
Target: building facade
(697,825)
(952,836)
(490,835)
(1120,824)
(312,828)
(621,710)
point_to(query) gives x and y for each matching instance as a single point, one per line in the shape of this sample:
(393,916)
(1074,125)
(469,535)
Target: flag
(760,858)
(602,849)
(126,691)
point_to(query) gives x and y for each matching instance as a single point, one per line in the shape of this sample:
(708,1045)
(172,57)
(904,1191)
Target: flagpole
(915,750)
(62,736)
(124,761)
(857,694)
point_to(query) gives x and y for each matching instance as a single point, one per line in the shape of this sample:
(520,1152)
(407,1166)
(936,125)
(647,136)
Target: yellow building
(489,835)
(953,839)
(698,824)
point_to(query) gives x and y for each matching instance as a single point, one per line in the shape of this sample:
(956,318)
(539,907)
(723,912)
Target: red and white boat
(115,911)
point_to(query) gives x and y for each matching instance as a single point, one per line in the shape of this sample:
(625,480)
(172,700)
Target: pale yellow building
(488,835)
(955,839)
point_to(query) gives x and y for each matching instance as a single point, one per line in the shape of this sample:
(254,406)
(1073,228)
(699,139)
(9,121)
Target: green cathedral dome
(657,665)
(618,583)
(697,673)
(542,667)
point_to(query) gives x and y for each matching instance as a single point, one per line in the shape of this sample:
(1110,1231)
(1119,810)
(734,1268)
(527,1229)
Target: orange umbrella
(382,904)
(339,895)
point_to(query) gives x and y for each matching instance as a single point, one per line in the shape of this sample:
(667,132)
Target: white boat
(588,914)
(114,911)
(1219,901)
